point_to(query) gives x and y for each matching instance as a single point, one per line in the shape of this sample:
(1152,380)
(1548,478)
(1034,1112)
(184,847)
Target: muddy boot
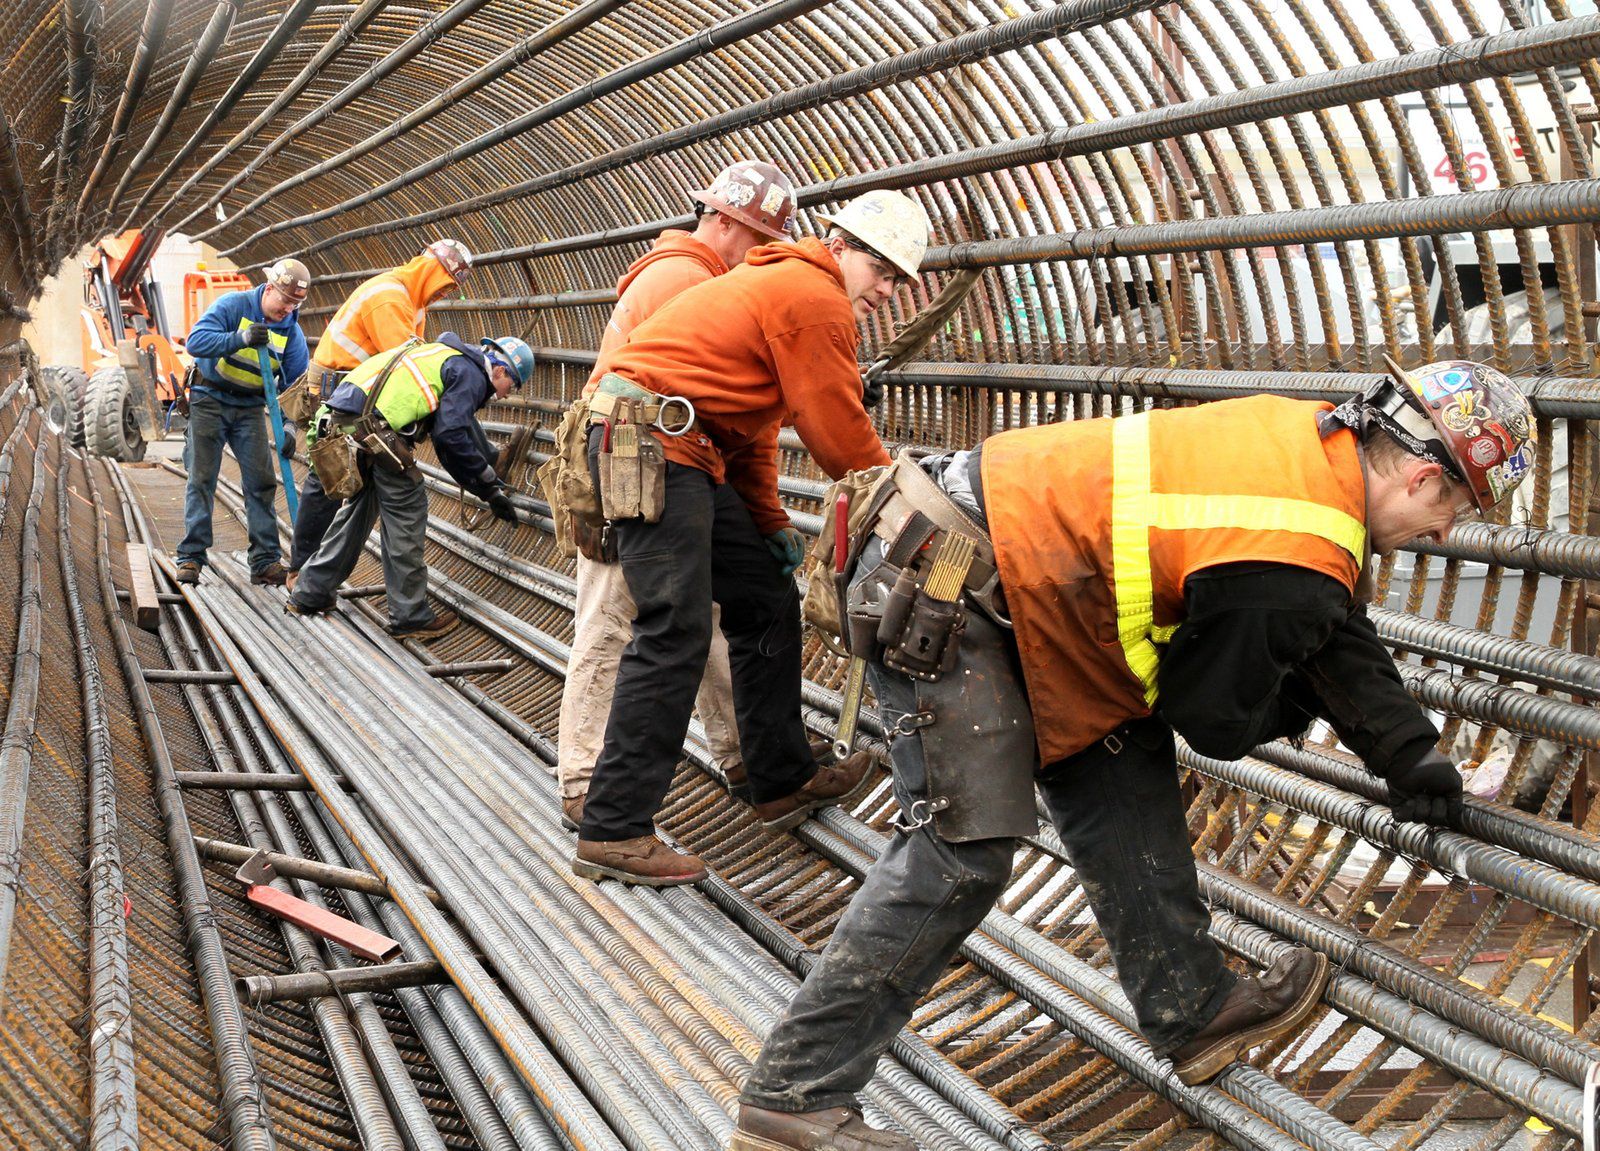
(645,861)
(272,575)
(443,623)
(572,812)
(1258,1009)
(836,1129)
(739,779)
(843,783)
(188,572)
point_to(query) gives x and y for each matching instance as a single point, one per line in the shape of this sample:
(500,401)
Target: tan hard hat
(754,193)
(455,257)
(290,277)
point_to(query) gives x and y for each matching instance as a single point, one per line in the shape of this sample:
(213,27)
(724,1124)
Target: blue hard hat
(514,353)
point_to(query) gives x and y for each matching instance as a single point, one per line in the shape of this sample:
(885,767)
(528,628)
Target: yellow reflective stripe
(276,341)
(351,310)
(1130,547)
(1135,510)
(245,378)
(1260,513)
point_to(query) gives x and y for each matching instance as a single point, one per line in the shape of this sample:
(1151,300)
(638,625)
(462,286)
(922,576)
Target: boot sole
(598,871)
(744,1142)
(1232,1048)
(798,816)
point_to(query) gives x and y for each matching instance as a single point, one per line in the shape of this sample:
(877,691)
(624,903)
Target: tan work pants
(602,626)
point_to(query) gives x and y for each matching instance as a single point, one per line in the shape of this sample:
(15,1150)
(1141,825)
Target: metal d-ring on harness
(661,416)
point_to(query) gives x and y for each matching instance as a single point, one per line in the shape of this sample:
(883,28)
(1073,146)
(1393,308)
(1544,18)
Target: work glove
(286,449)
(1429,791)
(257,335)
(788,547)
(500,504)
(871,392)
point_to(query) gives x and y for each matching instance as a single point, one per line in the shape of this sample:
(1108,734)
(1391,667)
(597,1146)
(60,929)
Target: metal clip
(1113,744)
(908,724)
(932,806)
(661,416)
(916,821)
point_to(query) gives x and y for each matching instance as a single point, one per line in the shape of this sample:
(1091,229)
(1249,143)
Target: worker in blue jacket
(227,405)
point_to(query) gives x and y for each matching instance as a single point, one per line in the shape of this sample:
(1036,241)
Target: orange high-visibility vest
(1098,523)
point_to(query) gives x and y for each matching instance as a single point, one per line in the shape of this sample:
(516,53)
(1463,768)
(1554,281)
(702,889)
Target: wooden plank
(142,588)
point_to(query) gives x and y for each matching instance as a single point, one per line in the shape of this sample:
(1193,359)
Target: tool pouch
(633,472)
(566,482)
(388,448)
(864,491)
(299,402)
(863,617)
(336,459)
(921,636)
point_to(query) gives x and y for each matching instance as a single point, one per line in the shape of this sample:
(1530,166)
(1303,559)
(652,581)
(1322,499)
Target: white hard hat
(892,224)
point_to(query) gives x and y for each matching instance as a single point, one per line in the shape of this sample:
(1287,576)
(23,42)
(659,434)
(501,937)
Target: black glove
(871,392)
(286,449)
(500,504)
(1429,791)
(257,335)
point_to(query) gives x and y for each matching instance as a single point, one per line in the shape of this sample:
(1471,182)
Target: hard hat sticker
(773,200)
(1441,384)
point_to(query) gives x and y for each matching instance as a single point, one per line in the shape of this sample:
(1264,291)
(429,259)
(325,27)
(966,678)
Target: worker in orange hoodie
(716,371)
(730,220)
(383,313)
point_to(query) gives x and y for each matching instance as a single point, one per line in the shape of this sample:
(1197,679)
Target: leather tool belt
(617,398)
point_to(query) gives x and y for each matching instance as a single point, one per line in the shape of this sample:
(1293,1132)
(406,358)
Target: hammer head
(256,870)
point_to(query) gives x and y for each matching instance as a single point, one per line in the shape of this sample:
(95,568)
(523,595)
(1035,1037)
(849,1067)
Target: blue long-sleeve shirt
(218,335)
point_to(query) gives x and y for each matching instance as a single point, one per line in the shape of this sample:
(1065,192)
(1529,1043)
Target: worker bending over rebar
(1048,609)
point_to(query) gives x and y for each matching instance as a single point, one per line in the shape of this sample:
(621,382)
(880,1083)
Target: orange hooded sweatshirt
(772,342)
(383,313)
(677,261)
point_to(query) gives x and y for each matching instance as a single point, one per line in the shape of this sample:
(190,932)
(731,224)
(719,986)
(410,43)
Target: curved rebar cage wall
(1171,202)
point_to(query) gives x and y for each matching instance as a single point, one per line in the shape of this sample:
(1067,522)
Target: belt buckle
(1113,744)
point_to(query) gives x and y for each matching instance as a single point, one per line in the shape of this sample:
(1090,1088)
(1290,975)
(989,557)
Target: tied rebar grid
(989,1000)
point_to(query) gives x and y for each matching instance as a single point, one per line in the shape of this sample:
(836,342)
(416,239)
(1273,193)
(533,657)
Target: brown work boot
(188,572)
(291,577)
(271,576)
(441,624)
(293,606)
(842,782)
(739,779)
(572,812)
(644,860)
(836,1129)
(1259,1008)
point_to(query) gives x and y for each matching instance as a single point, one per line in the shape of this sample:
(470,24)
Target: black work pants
(705,547)
(1120,816)
(312,521)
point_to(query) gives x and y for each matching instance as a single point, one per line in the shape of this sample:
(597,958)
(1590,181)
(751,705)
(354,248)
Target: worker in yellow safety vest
(382,313)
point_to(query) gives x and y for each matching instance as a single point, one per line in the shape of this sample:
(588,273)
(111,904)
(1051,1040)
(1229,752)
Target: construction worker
(695,513)
(227,405)
(730,220)
(382,313)
(387,404)
(1200,570)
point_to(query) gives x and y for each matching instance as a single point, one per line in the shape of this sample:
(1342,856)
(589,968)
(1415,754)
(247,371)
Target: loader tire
(110,417)
(67,386)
